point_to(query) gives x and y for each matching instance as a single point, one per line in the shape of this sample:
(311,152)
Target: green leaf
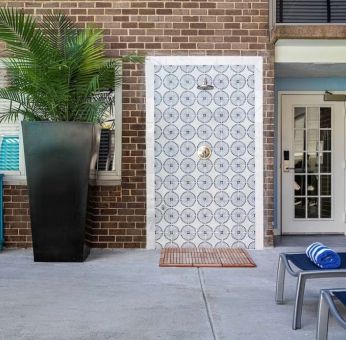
(57,71)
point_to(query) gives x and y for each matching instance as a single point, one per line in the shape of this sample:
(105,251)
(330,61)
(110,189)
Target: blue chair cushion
(304,263)
(341,296)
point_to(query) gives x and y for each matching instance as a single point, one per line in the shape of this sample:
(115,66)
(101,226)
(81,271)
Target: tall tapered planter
(58,157)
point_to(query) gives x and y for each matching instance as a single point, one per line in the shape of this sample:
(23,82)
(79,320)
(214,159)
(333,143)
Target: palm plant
(56,71)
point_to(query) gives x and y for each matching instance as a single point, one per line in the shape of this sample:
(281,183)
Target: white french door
(312,165)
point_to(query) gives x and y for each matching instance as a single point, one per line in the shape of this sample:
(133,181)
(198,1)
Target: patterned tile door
(204,201)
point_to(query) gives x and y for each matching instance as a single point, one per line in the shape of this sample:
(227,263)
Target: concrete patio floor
(123,294)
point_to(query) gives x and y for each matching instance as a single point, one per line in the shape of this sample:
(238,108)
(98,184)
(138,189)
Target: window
(11,145)
(108,168)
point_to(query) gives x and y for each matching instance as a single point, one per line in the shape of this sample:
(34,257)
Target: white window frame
(18,176)
(111,177)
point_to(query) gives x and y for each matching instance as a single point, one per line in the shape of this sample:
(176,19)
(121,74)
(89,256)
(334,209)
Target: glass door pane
(313,151)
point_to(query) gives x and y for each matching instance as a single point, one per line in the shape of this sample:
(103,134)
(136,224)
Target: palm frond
(16,103)
(57,71)
(59,30)
(21,35)
(85,56)
(133,58)
(110,75)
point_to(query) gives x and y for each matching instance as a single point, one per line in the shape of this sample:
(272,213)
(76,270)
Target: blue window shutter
(9,140)
(9,153)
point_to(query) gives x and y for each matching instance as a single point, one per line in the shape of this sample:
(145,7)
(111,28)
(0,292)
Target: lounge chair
(305,269)
(327,306)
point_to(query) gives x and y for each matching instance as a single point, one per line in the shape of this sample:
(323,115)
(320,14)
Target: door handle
(287,169)
(286,160)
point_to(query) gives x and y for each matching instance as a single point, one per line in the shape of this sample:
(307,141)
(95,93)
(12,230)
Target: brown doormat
(205,257)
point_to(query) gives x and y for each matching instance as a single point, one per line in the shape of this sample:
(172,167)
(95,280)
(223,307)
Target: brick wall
(187,27)
(16,216)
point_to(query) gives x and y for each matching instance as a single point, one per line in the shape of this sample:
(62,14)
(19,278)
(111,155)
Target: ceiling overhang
(310,51)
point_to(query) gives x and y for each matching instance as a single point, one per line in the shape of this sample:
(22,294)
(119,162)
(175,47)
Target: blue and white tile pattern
(204,202)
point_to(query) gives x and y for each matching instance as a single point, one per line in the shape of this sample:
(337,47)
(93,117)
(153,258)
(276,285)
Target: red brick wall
(187,27)
(116,218)
(16,216)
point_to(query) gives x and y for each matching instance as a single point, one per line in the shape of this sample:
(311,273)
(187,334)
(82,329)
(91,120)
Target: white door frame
(203,60)
(278,230)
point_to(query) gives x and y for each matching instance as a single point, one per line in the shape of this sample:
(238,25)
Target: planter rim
(51,122)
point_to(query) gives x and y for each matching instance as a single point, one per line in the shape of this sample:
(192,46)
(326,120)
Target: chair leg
(298,306)
(280,282)
(323,317)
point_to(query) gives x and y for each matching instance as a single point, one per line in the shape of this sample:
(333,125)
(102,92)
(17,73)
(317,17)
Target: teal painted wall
(299,84)
(310,84)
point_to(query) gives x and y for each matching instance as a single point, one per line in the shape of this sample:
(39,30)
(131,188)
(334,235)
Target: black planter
(58,158)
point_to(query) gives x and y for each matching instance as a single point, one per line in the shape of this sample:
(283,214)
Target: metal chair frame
(327,307)
(302,276)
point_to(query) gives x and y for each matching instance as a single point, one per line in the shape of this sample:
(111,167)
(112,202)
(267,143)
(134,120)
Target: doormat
(205,257)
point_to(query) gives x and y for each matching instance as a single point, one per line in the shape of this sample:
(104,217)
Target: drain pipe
(1,213)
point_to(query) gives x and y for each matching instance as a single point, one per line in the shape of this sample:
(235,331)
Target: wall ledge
(327,31)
